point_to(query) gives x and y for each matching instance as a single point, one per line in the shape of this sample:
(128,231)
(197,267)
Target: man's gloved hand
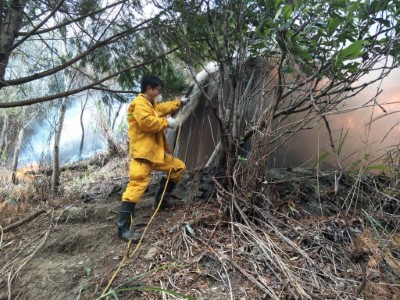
(172,123)
(159,98)
(184,100)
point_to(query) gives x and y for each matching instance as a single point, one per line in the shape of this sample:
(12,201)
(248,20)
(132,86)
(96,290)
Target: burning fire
(26,173)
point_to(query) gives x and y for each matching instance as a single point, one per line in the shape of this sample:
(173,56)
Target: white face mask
(159,98)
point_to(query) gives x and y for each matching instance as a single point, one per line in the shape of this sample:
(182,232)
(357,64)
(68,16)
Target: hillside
(199,249)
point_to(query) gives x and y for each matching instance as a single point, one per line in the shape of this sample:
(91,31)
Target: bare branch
(36,28)
(83,88)
(71,21)
(46,73)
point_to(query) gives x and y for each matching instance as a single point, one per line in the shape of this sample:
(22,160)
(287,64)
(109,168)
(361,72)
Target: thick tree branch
(36,28)
(65,23)
(23,221)
(94,47)
(8,31)
(83,88)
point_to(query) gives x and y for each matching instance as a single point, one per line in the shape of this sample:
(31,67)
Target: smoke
(366,131)
(39,145)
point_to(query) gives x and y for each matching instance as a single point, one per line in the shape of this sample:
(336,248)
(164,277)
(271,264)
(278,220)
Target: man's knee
(140,171)
(178,170)
(179,166)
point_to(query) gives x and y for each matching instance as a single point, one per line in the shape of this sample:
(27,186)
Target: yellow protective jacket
(146,127)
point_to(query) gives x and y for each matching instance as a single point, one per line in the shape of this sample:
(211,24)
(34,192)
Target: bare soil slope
(73,252)
(193,252)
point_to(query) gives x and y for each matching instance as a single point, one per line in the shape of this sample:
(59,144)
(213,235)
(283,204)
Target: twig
(9,285)
(27,259)
(23,221)
(1,236)
(345,214)
(363,279)
(11,261)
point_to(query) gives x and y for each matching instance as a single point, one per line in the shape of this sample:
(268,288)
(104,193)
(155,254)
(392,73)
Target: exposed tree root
(23,221)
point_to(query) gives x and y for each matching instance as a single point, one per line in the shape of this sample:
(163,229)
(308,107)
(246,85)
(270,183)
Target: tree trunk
(17,150)
(9,28)
(3,135)
(18,144)
(82,127)
(116,116)
(113,148)
(55,179)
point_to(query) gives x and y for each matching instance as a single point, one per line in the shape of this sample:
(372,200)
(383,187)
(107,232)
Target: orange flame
(27,173)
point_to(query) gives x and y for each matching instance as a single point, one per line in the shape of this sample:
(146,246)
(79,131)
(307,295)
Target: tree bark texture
(23,221)
(9,28)
(3,135)
(55,180)
(113,146)
(82,127)
(17,151)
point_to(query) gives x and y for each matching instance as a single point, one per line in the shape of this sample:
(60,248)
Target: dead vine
(15,265)
(283,257)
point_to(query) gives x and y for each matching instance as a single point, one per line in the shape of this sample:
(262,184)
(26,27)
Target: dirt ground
(72,252)
(77,252)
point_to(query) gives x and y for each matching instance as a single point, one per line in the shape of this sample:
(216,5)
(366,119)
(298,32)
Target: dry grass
(29,192)
(94,180)
(282,254)
(33,189)
(286,258)
(293,255)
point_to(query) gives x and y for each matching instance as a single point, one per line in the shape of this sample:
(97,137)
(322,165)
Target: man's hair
(150,80)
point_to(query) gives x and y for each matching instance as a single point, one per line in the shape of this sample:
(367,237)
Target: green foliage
(354,50)
(379,230)
(120,289)
(336,31)
(291,210)
(342,140)
(381,168)
(136,50)
(324,156)
(325,47)
(361,163)
(338,34)
(83,7)
(241,159)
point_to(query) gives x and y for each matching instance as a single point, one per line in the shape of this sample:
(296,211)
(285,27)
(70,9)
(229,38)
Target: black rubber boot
(159,192)
(124,223)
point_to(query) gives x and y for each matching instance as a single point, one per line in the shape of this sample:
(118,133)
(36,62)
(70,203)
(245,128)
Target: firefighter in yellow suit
(148,150)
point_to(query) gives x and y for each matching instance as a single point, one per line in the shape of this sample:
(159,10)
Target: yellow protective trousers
(140,175)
